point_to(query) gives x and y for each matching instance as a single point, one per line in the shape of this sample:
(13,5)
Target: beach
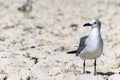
(34,47)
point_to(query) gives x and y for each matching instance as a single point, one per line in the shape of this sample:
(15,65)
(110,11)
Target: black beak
(87,24)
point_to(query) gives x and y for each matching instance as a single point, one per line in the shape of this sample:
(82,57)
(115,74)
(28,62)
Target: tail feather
(72,52)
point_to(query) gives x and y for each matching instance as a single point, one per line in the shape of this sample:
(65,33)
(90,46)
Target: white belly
(93,49)
(91,54)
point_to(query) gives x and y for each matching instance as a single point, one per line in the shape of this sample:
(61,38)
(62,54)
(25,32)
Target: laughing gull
(26,8)
(91,46)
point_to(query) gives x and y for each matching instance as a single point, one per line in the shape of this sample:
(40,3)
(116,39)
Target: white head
(94,23)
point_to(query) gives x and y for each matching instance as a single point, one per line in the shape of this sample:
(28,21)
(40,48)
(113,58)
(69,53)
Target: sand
(34,47)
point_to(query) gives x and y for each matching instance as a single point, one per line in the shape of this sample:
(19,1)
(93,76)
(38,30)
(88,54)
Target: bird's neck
(95,32)
(29,2)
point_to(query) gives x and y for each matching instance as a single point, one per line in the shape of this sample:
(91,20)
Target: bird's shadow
(103,74)
(107,73)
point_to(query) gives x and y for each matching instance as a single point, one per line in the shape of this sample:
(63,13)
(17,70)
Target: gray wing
(80,48)
(82,45)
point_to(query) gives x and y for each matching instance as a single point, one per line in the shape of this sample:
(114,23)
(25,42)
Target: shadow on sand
(107,73)
(103,73)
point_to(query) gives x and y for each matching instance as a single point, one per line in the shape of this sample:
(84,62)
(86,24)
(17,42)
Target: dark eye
(95,22)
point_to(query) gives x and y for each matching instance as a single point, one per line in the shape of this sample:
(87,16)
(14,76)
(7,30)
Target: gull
(26,8)
(91,46)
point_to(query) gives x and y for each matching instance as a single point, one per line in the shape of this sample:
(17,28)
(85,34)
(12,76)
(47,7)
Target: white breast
(94,46)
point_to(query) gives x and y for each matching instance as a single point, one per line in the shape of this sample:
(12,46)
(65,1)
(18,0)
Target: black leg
(95,67)
(84,67)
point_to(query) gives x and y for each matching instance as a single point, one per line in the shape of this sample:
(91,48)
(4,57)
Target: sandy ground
(34,47)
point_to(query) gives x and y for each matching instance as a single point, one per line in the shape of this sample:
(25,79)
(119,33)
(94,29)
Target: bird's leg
(26,14)
(95,67)
(84,67)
